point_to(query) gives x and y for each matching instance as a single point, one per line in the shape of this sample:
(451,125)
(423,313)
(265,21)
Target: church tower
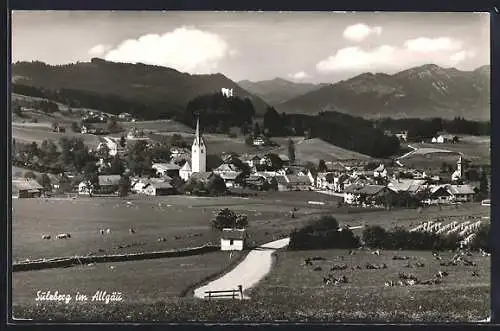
(198,152)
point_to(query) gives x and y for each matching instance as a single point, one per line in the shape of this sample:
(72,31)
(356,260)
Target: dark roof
(202,176)
(293,179)
(365,190)
(237,234)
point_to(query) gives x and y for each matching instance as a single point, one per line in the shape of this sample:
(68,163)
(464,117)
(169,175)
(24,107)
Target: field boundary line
(81,260)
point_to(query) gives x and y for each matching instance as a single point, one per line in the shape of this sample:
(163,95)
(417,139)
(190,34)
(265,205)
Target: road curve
(247,273)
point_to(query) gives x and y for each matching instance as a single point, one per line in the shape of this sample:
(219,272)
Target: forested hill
(149,92)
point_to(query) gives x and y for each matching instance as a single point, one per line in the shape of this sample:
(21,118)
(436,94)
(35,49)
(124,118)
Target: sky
(298,46)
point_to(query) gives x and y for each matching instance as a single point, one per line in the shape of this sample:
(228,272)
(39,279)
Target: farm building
(167,169)
(258,141)
(365,195)
(225,167)
(439,194)
(298,182)
(251,160)
(158,188)
(179,154)
(112,145)
(232,239)
(109,183)
(463,193)
(411,186)
(231,178)
(26,188)
(255,182)
(282,183)
(185,171)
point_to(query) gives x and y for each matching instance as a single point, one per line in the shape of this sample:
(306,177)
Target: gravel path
(248,273)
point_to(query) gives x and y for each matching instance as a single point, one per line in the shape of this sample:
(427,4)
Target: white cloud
(441,51)
(186,49)
(428,45)
(299,75)
(356,58)
(99,49)
(359,32)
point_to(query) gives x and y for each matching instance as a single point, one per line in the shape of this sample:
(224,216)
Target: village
(359,183)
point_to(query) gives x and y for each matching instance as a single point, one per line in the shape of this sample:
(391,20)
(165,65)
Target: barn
(232,239)
(26,188)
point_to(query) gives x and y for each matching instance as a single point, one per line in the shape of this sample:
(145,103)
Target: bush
(400,238)
(482,238)
(323,234)
(375,236)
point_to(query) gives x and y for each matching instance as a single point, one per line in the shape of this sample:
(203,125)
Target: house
(231,178)
(180,153)
(462,193)
(325,180)
(26,188)
(255,182)
(380,171)
(185,171)
(125,116)
(298,183)
(156,188)
(251,160)
(403,136)
(225,167)
(365,195)
(438,140)
(258,141)
(439,194)
(282,183)
(167,169)
(411,186)
(108,184)
(232,239)
(84,129)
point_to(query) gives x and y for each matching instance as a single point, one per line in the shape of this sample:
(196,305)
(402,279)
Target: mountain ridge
(423,91)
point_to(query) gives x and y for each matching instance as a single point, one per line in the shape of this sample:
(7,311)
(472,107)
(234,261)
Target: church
(198,156)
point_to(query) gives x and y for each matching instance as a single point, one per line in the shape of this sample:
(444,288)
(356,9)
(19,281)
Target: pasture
(460,297)
(182,220)
(313,150)
(145,281)
(39,133)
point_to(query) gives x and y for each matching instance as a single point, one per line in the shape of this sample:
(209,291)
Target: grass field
(460,297)
(182,220)
(28,134)
(316,149)
(139,281)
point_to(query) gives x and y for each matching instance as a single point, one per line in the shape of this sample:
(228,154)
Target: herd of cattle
(462,257)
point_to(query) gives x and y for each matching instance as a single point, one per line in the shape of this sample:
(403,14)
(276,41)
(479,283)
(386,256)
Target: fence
(233,294)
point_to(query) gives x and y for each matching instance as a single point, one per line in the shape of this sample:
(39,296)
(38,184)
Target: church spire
(198,129)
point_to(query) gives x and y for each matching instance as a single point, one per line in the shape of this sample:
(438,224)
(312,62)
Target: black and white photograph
(250,166)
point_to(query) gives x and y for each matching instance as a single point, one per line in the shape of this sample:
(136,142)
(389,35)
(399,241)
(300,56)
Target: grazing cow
(101,231)
(45,236)
(63,236)
(162,239)
(441,274)
(131,230)
(469,263)
(108,231)
(338,267)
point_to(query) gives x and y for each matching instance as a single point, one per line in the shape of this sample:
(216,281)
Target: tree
(45,182)
(123,142)
(227,218)
(113,126)
(29,175)
(322,166)
(291,151)
(375,236)
(124,186)
(256,130)
(483,184)
(74,127)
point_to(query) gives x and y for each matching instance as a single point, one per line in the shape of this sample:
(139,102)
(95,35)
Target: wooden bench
(233,294)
